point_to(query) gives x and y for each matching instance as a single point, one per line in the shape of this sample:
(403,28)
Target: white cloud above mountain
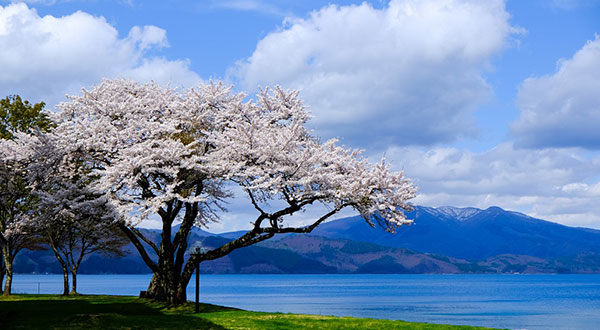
(410,73)
(554,184)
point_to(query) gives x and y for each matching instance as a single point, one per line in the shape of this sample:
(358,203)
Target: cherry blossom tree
(75,231)
(46,197)
(17,204)
(17,208)
(73,219)
(161,153)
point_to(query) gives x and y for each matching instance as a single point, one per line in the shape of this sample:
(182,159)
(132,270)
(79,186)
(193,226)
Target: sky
(480,103)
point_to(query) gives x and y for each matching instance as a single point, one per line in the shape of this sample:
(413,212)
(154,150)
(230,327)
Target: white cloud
(554,184)
(410,73)
(562,109)
(148,37)
(43,58)
(262,7)
(164,72)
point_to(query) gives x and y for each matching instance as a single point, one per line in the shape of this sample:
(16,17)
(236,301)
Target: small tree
(17,204)
(72,218)
(17,115)
(76,222)
(72,236)
(160,152)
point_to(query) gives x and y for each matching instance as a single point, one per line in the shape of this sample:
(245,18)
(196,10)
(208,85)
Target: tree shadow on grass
(81,314)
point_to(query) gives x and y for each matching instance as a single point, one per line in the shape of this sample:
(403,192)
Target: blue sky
(481,103)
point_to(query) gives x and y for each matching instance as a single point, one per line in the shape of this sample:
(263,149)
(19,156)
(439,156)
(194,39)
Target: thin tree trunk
(65,282)
(74,280)
(64,268)
(9,273)
(2,272)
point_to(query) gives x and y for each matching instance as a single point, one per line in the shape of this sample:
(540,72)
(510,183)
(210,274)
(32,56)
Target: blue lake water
(500,301)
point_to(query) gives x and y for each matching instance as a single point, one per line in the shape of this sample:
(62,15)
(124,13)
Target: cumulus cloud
(562,109)
(554,184)
(148,37)
(43,58)
(410,73)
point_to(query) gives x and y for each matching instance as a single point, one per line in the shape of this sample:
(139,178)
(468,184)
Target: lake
(501,301)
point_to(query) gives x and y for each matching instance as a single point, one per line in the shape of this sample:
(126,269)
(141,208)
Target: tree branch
(307,229)
(287,196)
(191,211)
(254,203)
(138,245)
(254,236)
(3,241)
(144,238)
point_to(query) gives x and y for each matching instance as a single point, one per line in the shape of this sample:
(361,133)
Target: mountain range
(441,240)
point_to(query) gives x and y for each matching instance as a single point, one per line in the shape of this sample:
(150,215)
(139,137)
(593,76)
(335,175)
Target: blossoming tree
(17,204)
(73,219)
(175,156)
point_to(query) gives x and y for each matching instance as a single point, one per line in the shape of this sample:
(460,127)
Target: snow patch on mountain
(458,213)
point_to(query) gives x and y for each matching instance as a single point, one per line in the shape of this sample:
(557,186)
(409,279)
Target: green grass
(119,312)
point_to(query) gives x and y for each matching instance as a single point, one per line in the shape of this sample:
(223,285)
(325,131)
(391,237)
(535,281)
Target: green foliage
(384,265)
(114,312)
(17,115)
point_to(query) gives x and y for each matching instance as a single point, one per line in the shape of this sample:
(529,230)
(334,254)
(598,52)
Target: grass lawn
(121,312)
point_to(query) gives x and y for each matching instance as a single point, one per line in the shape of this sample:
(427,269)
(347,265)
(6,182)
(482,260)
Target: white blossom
(147,143)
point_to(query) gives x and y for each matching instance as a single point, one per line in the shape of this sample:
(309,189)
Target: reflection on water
(502,301)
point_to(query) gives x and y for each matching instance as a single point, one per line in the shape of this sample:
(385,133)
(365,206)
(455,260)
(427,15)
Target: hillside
(442,240)
(471,233)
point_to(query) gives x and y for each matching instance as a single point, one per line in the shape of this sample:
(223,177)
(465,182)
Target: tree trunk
(74,280)
(64,268)
(9,274)
(163,287)
(165,281)
(2,272)
(171,272)
(181,293)
(65,282)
